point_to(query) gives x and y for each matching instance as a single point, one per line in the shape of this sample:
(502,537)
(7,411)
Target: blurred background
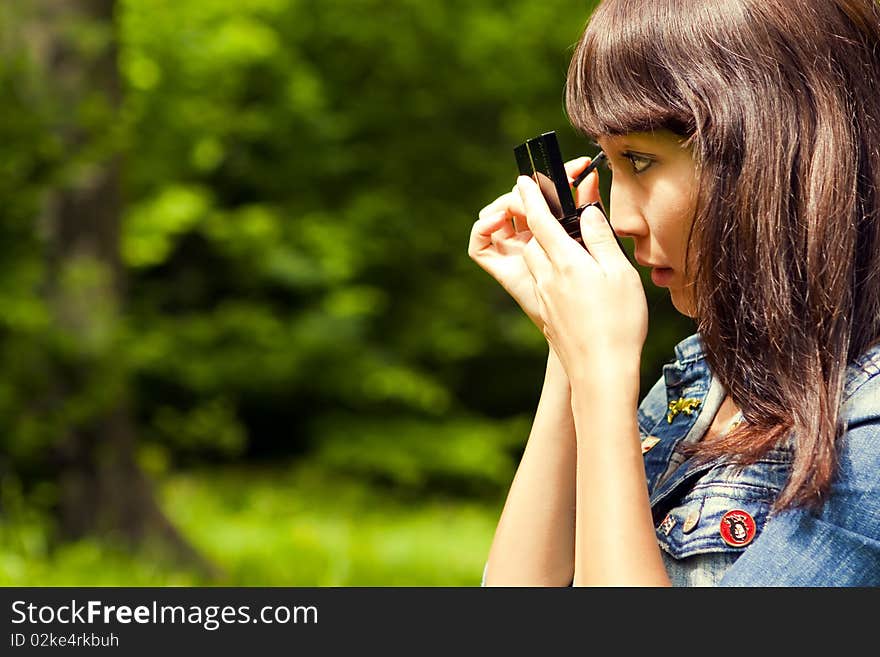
(241,342)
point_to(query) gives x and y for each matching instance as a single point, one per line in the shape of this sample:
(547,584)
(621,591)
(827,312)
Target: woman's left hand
(591,299)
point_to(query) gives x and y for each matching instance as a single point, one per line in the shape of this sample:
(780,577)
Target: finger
(523,235)
(509,203)
(536,260)
(481,232)
(544,226)
(487,225)
(505,230)
(600,240)
(588,190)
(502,236)
(575,166)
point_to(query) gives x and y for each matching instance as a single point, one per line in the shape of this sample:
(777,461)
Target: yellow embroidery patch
(686,405)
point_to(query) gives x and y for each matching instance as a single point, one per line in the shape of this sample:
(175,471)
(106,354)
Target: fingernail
(596,217)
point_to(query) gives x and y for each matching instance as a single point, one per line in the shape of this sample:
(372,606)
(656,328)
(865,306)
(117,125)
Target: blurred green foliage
(302,526)
(300,178)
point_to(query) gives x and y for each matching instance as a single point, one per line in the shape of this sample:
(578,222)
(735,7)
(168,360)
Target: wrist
(555,370)
(607,379)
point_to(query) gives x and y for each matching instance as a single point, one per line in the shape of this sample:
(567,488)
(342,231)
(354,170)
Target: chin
(683,304)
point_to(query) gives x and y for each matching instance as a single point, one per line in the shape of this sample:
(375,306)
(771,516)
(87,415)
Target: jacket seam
(871,376)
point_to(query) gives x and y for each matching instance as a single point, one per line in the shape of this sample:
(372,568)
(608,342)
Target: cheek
(673,209)
(674,196)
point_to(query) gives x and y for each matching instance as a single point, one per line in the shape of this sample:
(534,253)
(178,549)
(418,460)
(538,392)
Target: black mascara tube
(540,159)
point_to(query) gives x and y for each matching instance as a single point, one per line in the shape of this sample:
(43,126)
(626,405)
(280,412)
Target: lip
(662,276)
(648,264)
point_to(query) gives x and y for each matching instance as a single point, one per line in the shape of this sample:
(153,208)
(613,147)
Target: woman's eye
(639,163)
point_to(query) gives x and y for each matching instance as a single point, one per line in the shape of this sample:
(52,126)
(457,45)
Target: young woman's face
(653,194)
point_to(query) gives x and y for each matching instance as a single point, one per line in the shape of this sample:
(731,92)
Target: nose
(627,218)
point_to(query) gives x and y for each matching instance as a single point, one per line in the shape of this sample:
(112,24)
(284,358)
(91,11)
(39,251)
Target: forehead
(661,140)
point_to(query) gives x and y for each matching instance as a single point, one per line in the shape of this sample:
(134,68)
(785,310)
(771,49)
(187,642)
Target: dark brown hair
(780,101)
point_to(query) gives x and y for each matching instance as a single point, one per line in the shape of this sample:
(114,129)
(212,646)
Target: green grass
(274,527)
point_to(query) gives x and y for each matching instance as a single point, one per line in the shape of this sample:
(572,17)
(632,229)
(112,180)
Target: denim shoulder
(859,449)
(860,400)
(858,475)
(838,545)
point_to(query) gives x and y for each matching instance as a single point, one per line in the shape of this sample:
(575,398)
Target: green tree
(79,417)
(279,196)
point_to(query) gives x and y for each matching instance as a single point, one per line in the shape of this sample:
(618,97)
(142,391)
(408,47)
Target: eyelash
(633,158)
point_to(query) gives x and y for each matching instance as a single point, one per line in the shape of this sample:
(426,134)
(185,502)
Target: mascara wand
(586,172)
(597,160)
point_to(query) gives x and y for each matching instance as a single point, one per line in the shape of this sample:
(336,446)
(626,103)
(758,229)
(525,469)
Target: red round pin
(737,528)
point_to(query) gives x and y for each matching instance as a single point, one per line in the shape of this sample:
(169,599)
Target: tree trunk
(102,488)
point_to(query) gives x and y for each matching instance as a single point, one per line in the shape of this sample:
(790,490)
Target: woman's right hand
(500,234)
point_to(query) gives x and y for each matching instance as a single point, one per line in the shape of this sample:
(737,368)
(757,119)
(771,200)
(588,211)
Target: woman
(744,142)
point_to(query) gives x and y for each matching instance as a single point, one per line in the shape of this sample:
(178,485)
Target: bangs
(621,78)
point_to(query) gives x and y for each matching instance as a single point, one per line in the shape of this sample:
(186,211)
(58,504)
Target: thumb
(599,237)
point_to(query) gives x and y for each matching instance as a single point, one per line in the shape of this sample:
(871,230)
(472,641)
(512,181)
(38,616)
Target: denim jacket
(713,520)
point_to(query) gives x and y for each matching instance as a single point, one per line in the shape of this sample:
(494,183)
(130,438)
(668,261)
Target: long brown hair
(781,103)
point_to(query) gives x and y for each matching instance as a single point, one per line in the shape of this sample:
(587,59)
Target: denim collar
(690,349)
(693,349)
